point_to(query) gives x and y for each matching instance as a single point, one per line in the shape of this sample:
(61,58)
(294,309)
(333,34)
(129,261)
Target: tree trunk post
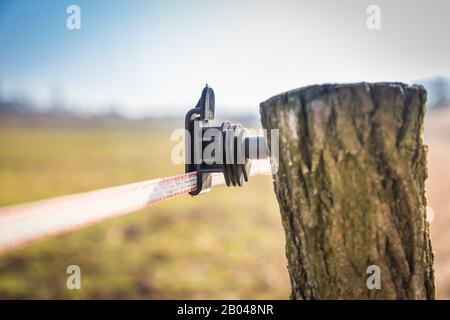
(350,186)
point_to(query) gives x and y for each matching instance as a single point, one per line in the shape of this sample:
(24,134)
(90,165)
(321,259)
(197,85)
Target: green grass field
(228,243)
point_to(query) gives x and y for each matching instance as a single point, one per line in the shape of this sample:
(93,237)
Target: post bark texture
(350,185)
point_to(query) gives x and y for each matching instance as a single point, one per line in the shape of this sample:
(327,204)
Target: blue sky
(154,57)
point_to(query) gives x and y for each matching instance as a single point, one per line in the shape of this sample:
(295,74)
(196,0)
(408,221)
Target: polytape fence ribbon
(20,224)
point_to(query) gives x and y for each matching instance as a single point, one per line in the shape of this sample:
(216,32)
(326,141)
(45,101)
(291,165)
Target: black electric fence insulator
(231,151)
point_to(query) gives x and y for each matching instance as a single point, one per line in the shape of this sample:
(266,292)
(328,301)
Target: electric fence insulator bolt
(231,150)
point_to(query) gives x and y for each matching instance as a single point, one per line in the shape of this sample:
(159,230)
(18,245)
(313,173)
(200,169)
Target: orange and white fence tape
(20,224)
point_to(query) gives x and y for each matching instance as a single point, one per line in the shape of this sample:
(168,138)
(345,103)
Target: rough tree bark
(350,186)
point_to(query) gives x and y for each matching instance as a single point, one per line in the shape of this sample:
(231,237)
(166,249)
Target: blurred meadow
(224,244)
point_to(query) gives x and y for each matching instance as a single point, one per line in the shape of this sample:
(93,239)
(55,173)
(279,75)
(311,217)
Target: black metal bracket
(232,152)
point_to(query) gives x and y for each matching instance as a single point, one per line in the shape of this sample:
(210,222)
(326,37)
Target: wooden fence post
(350,186)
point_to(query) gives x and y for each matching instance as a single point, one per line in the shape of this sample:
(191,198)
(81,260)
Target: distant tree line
(16,106)
(438,96)
(438,91)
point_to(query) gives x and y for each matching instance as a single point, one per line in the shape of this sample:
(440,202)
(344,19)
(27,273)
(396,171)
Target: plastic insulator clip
(222,149)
